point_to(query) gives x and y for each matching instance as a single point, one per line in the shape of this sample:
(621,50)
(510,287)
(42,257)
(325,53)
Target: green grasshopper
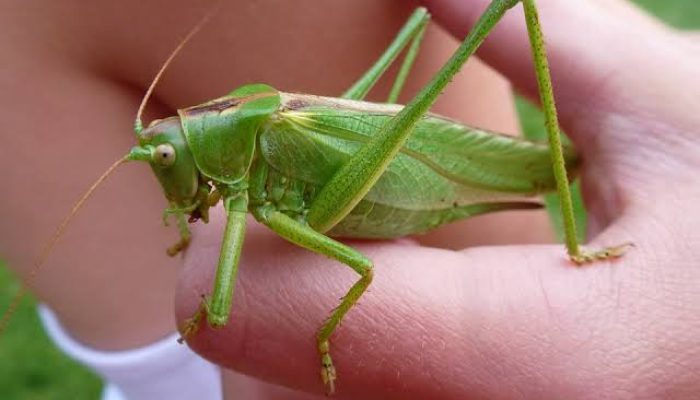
(312,168)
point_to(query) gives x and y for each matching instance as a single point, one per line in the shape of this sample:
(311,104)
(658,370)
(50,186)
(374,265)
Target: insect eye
(164,155)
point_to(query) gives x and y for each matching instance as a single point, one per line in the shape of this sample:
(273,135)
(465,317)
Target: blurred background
(30,368)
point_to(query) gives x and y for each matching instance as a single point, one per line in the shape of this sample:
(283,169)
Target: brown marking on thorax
(223,104)
(215,105)
(295,104)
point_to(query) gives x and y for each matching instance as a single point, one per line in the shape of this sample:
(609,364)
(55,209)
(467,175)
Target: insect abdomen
(446,171)
(370,220)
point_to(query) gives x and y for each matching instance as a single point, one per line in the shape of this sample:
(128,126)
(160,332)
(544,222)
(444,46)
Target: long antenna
(39,262)
(138,124)
(138,127)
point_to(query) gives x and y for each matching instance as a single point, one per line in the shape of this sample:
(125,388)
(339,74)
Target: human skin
(512,321)
(72,77)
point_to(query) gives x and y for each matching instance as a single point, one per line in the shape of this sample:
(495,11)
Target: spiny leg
(302,235)
(217,308)
(355,178)
(412,31)
(544,82)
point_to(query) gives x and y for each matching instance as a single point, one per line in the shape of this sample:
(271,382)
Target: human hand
(512,321)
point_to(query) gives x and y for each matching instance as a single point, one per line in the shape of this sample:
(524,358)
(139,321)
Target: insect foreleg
(217,307)
(302,235)
(412,31)
(552,124)
(355,178)
(185,236)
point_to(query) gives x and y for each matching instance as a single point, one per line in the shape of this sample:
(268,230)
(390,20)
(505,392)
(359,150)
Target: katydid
(313,168)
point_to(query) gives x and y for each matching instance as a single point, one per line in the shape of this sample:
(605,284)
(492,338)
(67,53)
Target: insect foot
(178,247)
(328,374)
(191,325)
(604,254)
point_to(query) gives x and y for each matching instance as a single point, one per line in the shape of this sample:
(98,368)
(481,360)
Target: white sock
(162,370)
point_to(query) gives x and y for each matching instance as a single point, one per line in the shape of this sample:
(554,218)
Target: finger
(486,323)
(510,227)
(616,96)
(605,56)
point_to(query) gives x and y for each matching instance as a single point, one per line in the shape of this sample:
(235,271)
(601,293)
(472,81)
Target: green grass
(30,368)
(683,14)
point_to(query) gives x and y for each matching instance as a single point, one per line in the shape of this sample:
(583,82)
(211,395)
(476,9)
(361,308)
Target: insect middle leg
(412,32)
(304,236)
